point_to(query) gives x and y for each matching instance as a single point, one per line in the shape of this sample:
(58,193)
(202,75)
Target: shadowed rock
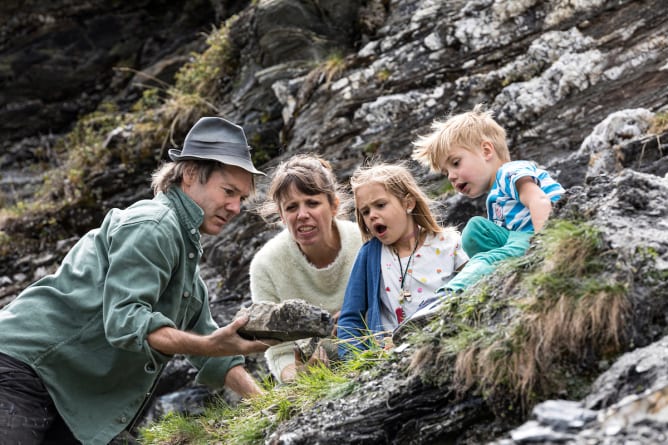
(289,320)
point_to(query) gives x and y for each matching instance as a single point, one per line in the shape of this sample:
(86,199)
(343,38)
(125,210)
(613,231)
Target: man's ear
(488,150)
(188,179)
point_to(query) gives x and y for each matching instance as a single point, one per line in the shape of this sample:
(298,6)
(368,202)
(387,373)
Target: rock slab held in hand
(290,320)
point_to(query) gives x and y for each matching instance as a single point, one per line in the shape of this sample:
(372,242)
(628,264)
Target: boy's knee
(481,235)
(470,245)
(475,225)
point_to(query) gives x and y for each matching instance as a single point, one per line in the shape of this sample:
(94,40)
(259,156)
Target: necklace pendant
(406,295)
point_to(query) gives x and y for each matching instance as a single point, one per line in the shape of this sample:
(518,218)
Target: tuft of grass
(252,420)
(383,75)
(4,242)
(333,67)
(324,72)
(84,155)
(659,123)
(371,148)
(197,83)
(174,429)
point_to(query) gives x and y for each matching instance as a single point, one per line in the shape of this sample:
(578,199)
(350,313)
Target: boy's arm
(535,200)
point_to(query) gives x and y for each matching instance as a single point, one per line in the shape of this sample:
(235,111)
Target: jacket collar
(189,213)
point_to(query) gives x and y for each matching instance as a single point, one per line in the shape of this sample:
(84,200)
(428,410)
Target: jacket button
(186,294)
(124,419)
(191,255)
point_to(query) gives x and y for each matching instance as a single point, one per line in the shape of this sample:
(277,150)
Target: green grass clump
(252,420)
(198,83)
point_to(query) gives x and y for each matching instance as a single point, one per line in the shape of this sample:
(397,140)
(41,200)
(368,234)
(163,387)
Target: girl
(406,257)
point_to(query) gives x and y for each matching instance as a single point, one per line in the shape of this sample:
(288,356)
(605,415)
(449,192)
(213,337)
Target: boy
(471,149)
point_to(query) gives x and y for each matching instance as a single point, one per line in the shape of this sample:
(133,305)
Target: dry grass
(524,358)
(659,123)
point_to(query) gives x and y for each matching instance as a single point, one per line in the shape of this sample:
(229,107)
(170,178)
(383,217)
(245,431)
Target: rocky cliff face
(581,88)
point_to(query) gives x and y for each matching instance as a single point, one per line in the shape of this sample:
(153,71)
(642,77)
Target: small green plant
(324,72)
(442,188)
(371,148)
(383,74)
(174,428)
(150,100)
(85,155)
(198,82)
(4,241)
(200,75)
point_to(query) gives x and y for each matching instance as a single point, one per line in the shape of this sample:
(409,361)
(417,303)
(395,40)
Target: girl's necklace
(405,293)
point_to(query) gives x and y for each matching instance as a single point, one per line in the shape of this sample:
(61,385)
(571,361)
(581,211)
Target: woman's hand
(289,373)
(335,319)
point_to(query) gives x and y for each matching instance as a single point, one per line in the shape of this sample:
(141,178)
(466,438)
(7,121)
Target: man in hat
(82,349)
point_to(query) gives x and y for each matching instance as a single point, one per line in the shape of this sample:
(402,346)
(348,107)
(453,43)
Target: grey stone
(534,432)
(290,320)
(563,414)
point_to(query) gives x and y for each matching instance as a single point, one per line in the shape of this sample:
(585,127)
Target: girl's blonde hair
(397,180)
(467,130)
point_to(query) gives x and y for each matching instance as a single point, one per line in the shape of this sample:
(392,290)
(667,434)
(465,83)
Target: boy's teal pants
(486,244)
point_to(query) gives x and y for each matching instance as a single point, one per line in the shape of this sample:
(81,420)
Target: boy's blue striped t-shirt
(503,201)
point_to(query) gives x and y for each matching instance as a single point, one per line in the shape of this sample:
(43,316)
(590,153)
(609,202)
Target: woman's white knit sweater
(280,271)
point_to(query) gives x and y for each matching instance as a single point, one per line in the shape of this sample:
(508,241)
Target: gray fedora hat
(216,139)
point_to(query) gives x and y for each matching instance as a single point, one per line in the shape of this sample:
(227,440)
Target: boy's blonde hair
(466,130)
(398,181)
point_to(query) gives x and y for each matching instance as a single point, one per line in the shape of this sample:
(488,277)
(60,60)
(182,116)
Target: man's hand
(241,382)
(227,339)
(221,342)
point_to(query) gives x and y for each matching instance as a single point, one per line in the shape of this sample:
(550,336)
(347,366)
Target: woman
(312,257)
